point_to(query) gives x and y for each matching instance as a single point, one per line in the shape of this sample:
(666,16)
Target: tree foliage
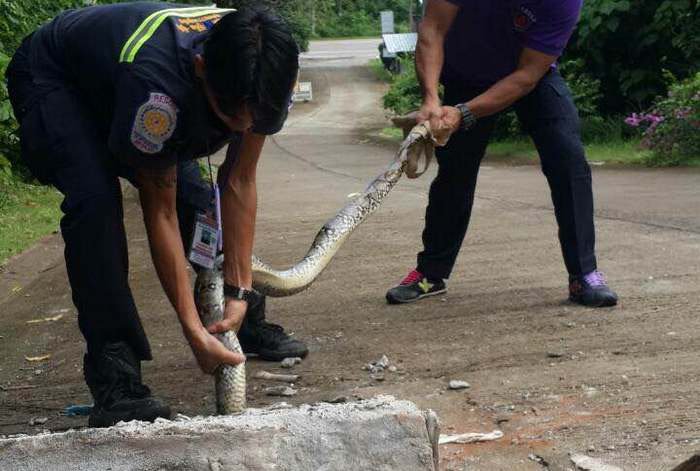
(17,19)
(337,18)
(627,43)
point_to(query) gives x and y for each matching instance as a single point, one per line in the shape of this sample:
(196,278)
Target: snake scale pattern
(229,380)
(209,287)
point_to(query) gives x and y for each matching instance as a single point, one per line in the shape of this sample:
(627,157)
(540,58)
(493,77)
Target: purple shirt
(487,36)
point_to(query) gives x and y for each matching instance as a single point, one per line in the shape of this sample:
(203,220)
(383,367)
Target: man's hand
(431,110)
(210,352)
(450,121)
(234,313)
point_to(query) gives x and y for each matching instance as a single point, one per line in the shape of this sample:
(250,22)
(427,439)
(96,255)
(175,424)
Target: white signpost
(387,21)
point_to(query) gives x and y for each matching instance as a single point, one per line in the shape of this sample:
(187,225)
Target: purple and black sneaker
(591,290)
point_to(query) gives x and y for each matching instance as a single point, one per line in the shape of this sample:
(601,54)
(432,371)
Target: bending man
(139,90)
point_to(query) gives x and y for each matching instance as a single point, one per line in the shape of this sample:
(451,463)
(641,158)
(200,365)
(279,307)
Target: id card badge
(207,240)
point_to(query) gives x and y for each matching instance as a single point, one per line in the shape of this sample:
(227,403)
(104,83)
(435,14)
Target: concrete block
(379,434)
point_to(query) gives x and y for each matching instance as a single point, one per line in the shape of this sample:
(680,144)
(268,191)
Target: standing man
(491,55)
(139,90)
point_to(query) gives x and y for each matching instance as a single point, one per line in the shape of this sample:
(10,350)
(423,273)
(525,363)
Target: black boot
(114,379)
(268,341)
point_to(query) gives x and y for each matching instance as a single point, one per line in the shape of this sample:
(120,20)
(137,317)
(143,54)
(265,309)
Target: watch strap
(468,118)
(236,292)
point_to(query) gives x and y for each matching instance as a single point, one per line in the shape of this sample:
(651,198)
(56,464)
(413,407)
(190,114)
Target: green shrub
(671,128)
(584,88)
(602,129)
(17,19)
(8,140)
(353,23)
(404,93)
(625,43)
(507,127)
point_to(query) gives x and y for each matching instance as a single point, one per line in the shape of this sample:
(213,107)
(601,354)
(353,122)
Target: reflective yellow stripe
(149,26)
(128,45)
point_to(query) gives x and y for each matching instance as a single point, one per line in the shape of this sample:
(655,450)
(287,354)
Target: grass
(27,213)
(395,134)
(617,152)
(382,74)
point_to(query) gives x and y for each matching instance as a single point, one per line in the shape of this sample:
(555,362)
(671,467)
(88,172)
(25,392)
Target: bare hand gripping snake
(230,381)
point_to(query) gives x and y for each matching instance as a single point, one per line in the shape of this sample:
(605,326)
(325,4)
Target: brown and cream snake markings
(231,380)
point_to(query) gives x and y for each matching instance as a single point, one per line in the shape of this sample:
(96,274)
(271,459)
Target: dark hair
(252,58)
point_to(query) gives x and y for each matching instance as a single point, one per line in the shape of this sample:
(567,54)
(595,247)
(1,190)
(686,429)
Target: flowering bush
(671,129)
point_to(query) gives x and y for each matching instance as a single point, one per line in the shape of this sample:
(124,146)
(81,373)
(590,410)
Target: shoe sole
(604,303)
(392,300)
(108,420)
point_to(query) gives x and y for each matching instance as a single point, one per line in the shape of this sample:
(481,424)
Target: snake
(230,381)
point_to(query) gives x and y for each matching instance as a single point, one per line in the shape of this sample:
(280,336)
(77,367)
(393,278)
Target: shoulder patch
(154,124)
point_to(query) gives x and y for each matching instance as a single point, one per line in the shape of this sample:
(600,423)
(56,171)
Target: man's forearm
(502,95)
(533,65)
(238,208)
(170,263)
(430,57)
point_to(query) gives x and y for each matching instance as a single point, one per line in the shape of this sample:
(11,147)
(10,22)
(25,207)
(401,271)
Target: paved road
(341,53)
(619,384)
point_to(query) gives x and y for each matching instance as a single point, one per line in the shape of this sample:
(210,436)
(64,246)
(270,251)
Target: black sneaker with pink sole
(413,287)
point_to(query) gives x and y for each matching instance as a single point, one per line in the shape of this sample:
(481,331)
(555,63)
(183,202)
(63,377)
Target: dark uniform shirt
(133,64)
(488,36)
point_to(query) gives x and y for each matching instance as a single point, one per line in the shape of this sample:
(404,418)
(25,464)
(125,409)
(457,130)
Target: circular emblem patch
(155,123)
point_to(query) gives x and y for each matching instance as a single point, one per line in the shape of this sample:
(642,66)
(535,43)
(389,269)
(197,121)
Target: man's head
(250,65)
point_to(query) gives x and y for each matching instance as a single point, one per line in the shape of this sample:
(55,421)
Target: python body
(209,287)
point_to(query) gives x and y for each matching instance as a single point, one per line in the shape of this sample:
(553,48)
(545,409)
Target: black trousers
(550,117)
(63,146)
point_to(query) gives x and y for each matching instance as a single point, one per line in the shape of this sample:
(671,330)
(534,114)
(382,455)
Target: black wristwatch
(468,119)
(236,292)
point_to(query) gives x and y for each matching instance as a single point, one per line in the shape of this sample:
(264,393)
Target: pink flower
(634,120)
(654,119)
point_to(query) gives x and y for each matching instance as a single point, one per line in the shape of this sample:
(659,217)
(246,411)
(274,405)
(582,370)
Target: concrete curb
(379,434)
